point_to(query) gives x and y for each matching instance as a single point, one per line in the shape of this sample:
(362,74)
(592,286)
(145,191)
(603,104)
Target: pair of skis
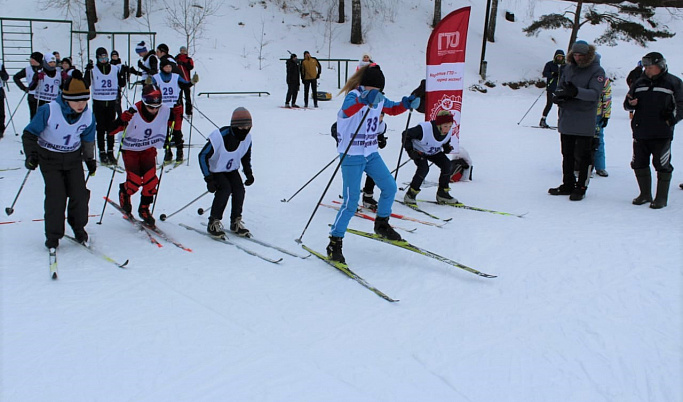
(344,268)
(150,231)
(229,240)
(53,257)
(415,207)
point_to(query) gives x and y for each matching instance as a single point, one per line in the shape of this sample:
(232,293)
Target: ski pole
(205,116)
(161,174)
(10,210)
(341,159)
(189,139)
(195,127)
(201,211)
(402,164)
(112,176)
(11,121)
(400,151)
(308,182)
(532,106)
(15,111)
(163,217)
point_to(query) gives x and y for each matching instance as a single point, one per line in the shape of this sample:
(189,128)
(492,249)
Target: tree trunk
(492,21)
(138,13)
(91,15)
(356,26)
(126,9)
(577,24)
(341,12)
(437,13)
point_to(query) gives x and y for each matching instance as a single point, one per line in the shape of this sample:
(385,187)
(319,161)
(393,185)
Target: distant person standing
(604,113)
(656,97)
(310,73)
(366,60)
(292,66)
(552,72)
(185,64)
(35,61)
(577,96)
(632,77)
(148,63)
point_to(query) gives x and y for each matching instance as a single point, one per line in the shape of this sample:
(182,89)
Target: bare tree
(356,23)
(262,43)
(341,19)
(491,29)
(437,13)
(126,9)
(188,17)
(138,13)
(330,31)
(91,15)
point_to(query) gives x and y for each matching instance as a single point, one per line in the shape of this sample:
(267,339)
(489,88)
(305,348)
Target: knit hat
(37,56)
(67,60)
(654,58)
(443,117)
(101,52)
(292,56)
(49,58)
(373,77)
(166,61)
(141,48)
(240,117)
(163,47)
(75,88)
(580,47)
(114,53)
(183,48)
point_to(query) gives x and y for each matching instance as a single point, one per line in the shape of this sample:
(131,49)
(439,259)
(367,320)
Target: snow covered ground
(587,305)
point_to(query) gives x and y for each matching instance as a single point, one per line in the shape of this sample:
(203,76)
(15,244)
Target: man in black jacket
(292,80)
(657,100)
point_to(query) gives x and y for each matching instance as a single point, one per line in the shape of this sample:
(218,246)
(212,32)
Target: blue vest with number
(59,135)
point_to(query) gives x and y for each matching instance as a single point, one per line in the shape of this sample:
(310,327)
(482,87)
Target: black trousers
(32,105)
(441,160)
(187,93)
(228,184)
(105,115)
(2,115)
(292,93)
(548,103)
(313,85)
(577,152)
(658,148)
(64,179)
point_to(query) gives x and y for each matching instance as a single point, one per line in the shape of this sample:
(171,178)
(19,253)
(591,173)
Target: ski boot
(168,156)
(237,227)
(409,198)
(111,158)
(179,155)
(442,196)
(104,160)
(369,202)
(543,123)
(81,236)
(144,211)
(215,227)
(384,229)
(334,250)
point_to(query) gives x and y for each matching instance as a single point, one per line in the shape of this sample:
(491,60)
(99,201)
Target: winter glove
(416,155)
(603,122)
(148,80)
(92,166)
(410,102)
(381,141)
(371,98)
(31,162)
(89,66)
(195,78)
(41,75)
(250,179)
(128,115)
(571,90)
(447,148)
(210,183)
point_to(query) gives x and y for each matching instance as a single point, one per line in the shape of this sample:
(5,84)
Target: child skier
(47,82)
(228,148)
(430,142)
(360,115)
(59,138)
(171,84)
(147,126)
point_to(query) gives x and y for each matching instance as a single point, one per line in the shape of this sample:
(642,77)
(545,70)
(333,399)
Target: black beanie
(37,56)
(373,77)
(166,61)
(101,52)
(163,47)
(114,53)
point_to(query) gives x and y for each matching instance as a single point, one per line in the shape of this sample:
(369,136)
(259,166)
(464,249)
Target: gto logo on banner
(446,66)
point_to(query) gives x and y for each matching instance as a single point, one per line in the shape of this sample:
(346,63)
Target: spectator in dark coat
(185,64)
(551,72)
(631,78)
(292,66)
(656,97)
(577,95)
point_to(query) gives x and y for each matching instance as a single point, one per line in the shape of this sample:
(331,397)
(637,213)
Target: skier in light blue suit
(361,111)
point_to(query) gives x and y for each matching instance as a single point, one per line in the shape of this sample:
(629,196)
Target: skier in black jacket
(657,100)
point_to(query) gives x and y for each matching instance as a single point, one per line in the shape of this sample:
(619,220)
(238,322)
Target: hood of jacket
(591,57)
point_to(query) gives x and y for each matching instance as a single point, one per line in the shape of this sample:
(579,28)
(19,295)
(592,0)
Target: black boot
(384,229)
(124,199)
(369,202)
(104,159)
(334,250)
(663,181)
(144,211)
(543,123)
(237,227)
(215,227)
(168,156)
(563,189)
(111,157)
(179,155)
(578,194)
(81,236)
(644,179)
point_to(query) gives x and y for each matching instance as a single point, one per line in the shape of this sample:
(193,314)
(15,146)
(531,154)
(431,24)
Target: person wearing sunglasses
(656,98)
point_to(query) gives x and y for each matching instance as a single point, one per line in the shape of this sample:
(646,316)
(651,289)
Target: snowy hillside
(587,304)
